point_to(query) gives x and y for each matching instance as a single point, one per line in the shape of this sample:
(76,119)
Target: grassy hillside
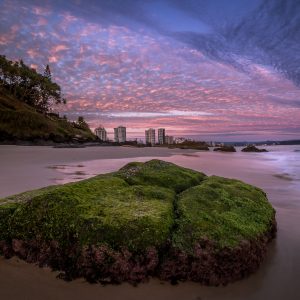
(19,121)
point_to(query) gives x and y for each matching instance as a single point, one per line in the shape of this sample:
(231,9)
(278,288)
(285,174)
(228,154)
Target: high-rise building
(161,133)
(120,134)
(101,133)
(169,139)
(150,136)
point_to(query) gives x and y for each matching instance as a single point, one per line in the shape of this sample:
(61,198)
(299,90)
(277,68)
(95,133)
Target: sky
(214,70)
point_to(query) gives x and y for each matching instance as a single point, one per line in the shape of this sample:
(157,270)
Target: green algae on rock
(221,233)
(223,210)
(160,173)
(147,219)
(103,209)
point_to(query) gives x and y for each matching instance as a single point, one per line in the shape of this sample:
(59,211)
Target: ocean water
(277,169)
(277,172)
(287,158)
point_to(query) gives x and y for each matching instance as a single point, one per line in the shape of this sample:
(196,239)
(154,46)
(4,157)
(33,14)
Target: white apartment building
(120,134)
(101,133)
(161,133)
(150,136)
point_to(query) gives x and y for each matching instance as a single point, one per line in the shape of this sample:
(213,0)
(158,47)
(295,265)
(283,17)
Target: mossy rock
(145,219)
(160,173)
(104,209)
(225,211)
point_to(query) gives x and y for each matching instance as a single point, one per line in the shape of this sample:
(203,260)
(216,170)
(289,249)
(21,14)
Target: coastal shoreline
(42,162)
(274,279)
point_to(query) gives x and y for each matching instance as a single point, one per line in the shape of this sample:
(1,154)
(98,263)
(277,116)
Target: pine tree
(47,72)
(82,124)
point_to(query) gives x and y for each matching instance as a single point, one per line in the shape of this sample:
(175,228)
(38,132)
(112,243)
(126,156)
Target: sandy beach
(29,167)
(277,172)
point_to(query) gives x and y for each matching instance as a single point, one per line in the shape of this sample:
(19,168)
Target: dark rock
(252,148)
(19,247)
(214,266)
(225,149)
(207,264)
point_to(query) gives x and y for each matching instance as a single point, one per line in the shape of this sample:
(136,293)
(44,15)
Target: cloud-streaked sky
(211,69)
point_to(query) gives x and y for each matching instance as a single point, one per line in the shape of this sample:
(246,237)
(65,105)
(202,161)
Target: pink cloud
(53,59)
(42,21)
(10,36)
(41,11)
(112,69)
(58,48)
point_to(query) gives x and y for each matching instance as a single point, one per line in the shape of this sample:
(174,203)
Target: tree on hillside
(81,124)
(23,82)
(47,72)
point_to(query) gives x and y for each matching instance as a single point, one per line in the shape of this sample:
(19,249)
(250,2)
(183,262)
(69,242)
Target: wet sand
(29,167)
(278,278)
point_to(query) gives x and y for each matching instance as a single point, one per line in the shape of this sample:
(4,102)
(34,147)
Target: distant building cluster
(150,135)
(151,138)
